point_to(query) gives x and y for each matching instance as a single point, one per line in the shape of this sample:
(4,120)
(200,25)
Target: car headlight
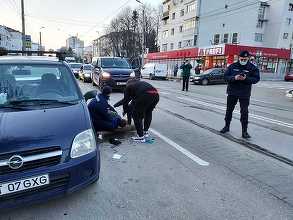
(132,74)
(84,143)
(106,75)
(196,78)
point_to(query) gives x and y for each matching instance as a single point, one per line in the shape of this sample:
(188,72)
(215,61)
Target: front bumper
(64,178)
(116,82)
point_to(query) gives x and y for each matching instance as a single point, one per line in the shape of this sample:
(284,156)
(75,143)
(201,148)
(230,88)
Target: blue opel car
(48,147)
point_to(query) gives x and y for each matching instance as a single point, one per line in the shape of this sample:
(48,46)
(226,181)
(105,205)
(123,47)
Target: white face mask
(243,63)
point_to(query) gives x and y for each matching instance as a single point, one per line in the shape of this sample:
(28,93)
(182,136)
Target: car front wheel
(204,82)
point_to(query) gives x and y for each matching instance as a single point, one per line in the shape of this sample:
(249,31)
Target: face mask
(243,63)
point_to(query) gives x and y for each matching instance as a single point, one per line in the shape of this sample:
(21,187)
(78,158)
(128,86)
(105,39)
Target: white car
(154,70)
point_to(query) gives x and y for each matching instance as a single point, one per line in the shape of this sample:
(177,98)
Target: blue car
(48,147)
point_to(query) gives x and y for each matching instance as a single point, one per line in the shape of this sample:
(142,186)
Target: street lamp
(143,31)
(40,45)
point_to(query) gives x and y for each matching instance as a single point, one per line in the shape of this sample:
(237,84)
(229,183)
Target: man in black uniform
(240,76)
(144,98)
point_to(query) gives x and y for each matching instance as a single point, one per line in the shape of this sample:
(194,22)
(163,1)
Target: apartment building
(224,27)
(76,45)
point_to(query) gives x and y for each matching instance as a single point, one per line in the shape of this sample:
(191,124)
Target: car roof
(29,59)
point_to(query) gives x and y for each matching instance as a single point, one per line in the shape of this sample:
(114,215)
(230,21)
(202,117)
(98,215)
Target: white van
(154,70)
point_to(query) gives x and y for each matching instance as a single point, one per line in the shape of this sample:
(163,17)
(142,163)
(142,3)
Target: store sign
(28,41)
(212,51)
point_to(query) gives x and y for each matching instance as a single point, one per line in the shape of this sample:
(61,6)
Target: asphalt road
(189,171)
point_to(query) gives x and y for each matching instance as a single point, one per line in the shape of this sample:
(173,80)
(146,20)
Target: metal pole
(23,25)
(40,46)
(143,37)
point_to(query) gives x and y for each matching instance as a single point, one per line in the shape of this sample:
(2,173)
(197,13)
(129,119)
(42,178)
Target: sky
(59,19)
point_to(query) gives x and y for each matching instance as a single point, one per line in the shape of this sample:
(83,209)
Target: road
(190,171)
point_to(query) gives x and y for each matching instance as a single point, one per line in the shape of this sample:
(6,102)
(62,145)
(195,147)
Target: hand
(237,77)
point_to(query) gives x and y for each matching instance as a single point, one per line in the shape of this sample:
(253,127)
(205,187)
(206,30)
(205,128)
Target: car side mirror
(90,95)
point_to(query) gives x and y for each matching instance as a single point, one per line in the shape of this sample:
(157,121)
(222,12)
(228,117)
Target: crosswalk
(275,85)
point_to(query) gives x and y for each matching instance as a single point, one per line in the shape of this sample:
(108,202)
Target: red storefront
(270,60)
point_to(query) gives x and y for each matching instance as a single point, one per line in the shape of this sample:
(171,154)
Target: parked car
(48,145)
(289,76)
(211,76)
(75,67)
(85,72)
(111,71)
(154,71)
(289,94)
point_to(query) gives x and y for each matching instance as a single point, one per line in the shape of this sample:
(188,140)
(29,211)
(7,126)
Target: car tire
(205,82)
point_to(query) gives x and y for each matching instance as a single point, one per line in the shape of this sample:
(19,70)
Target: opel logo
(15,162)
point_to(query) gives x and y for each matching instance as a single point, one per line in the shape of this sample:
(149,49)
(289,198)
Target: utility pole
(40,45)
(143,31)
(23,26)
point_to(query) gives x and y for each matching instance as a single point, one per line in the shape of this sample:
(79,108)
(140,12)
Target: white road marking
(272,121)
(187,153)
(164,93)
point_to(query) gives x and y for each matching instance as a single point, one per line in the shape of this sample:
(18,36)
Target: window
(187,43)
(181,29)
(225,38)
(181,1)
(290,6)
(169,7)
(261,12)
(288,21)
(172,31)
(285,36)
(179,44)
(190,7)
(216,39)
(195,40)
(172,46)
(260,24)
(234,38)
(258,37)
(182,12)
(173,16)
(165,47)
(165,34)
(165,22)
(189,24)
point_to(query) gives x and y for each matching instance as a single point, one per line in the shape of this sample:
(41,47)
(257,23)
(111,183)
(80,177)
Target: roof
(29,59)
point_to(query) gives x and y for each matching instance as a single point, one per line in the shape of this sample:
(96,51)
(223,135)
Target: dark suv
(111,71)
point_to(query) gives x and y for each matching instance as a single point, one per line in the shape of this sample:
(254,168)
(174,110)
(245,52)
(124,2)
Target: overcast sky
(63,18)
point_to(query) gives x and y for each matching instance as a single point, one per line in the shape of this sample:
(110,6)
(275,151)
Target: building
(222,28)
(88,54)
(101,47)
(76,45)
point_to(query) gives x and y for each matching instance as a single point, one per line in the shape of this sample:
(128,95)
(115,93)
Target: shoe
(225,130)
(139,139)
(245,135)
(146,134)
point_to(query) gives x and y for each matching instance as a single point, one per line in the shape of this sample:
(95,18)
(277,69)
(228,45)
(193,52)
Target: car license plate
(121,83)
(21,185)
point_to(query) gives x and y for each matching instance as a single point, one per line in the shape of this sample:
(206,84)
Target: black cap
(244,53)
(107,90)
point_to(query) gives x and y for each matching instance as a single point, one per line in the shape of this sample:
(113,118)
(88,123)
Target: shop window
(181,29)
(285,36)
(290,6)
(258,37)
(173,16)
(172,31)
(171,46)
(165,47)
(182,12)
(179,44)
(226,38)
(216,39)
(235,38)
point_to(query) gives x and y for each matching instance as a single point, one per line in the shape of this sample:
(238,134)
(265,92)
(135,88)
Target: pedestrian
(144,98)
(197,70)
(104,116)
(240,77)
(186,68)
(176,70)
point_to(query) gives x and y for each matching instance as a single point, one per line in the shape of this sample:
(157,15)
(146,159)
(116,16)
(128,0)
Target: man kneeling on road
(240,76)
(104,116)
(144,98)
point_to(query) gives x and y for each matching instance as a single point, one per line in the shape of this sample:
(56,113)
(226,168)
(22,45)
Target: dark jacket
(241,88)
(186,68)
(99,109)
(135,90)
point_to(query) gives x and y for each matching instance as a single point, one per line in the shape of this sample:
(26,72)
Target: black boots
(245,134)
(225,129)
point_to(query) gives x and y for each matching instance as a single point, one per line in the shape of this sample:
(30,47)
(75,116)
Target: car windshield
(87,67)
(208,71)
(75,65)
(32,83)
(115,63)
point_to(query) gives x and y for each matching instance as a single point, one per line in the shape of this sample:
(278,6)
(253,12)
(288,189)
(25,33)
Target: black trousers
(231,103)
(185,83)
(143,111)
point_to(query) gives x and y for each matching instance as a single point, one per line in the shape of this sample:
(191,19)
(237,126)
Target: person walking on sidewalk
(186,68)
(240,77)
(144,98)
